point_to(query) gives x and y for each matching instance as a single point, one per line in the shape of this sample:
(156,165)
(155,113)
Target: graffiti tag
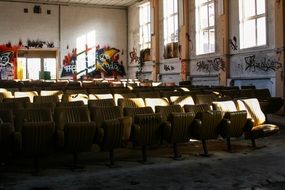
(168,68)
(233,43)
(264,64)
(208,66)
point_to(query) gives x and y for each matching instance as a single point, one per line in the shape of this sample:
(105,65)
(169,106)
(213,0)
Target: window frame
(199,29)
(166,35)
(144,43)
(255,17)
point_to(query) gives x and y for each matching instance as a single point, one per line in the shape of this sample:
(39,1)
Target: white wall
(110,26)
(16,25)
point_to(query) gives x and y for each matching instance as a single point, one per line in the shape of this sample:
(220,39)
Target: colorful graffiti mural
(8,61)
(106,61)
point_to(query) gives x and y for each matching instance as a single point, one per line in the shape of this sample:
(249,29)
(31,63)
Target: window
(37,64)
(170,21)
(205,26)
(144,11)
(86,51)
(252,23)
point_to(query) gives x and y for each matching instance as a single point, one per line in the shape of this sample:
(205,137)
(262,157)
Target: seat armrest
(249,125)
(17,141)
(127,124)
(59,138)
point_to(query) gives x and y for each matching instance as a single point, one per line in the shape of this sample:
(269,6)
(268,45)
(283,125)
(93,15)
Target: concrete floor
(246,168)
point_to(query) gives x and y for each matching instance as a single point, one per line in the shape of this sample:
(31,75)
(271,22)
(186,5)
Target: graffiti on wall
(39,44)
(233,43)
(106,61)
(168,68)
(8,61)
(263,63)
(69,64)
(211,65)
(134,56)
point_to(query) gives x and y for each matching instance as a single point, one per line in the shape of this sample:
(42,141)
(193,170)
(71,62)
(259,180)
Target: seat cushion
(260,131)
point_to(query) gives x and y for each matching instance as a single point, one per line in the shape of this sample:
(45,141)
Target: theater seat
(74,129)
(37,131)
(207,124)
(176,126)
(6,134)
(116,128)
(260,128)
(235,122)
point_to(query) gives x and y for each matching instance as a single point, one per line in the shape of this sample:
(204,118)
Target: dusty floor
(246,168)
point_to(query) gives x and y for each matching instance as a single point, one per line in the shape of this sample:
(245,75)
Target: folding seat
(168,94)
(131,102)
(29,94)
(247,93)
(260,128)
(37,131)
(122,96)
(146,127)
(120,90)
(75,97)
(176,127)
(206,125)
(116,128)
(182,100)
(150,94)
(46,99)
(235,122)
(70,104)
(6,133)
(74,130)
(75,91)
(57,93)
(104,96)
(49,105)
(22,100)
(205,98)
(101,103)
(268,103)
(152,102)
(100,90)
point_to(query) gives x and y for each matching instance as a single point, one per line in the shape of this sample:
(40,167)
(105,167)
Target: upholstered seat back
(44,99)
(165,111)
(134,111)
(131,102)
(182,100)
(149,131)
(101,103)
(100,114)
(210,127)
(197,108)
(29,94)
(152,102)
(253,109)
(224,106)
(64,115)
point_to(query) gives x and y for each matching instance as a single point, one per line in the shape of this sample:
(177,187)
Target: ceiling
(115,3)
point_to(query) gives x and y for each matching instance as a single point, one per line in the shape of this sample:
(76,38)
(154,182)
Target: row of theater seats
(35,128)
(268,104)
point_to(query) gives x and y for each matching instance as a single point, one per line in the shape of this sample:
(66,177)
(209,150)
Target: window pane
(33,68)
(205,41)
(261,31)
(260,6)
(204,16)
(212,40)
(211,14)
(50,65)
(249,34)
(249,8)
